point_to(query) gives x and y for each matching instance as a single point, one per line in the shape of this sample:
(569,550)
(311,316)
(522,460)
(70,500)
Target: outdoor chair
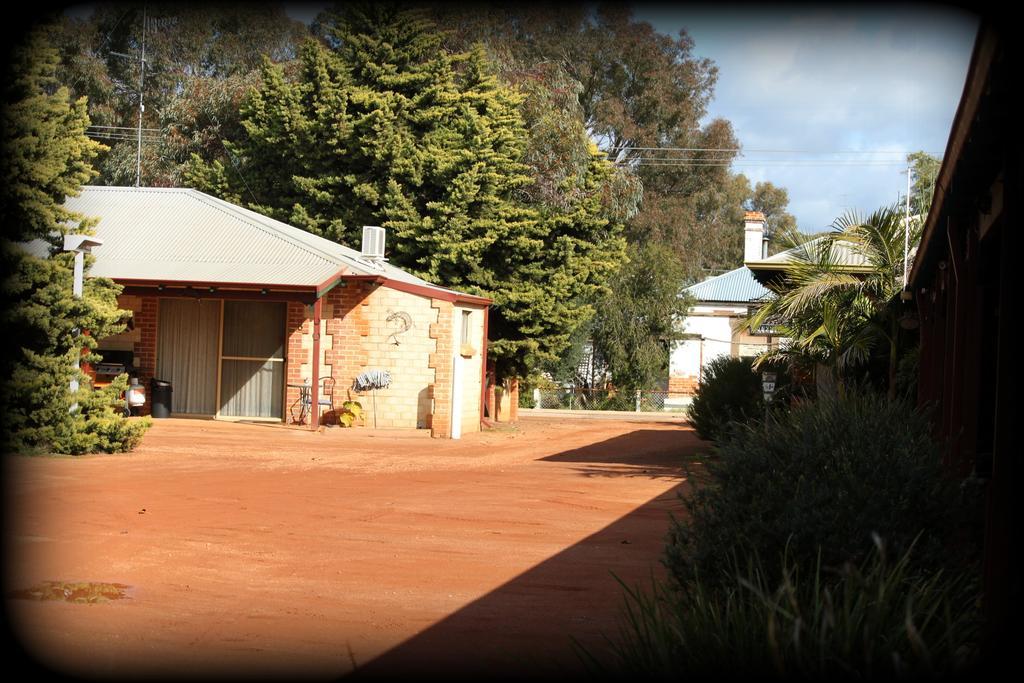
(326,397)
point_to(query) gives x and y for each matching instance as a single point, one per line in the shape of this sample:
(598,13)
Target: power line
(743,160)
(767,151)
(114,136)
(763,162)
(130,128)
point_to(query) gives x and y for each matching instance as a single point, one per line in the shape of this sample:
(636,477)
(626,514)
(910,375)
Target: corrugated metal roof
(846,254)
(736,286)
(183,235)
(741,286)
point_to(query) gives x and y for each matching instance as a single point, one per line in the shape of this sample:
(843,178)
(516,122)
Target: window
(465,327)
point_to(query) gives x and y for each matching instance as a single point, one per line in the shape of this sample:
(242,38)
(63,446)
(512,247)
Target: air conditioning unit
(373,242)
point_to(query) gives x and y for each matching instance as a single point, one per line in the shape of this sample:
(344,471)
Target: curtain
(251,388)
(187,337)
(254,329)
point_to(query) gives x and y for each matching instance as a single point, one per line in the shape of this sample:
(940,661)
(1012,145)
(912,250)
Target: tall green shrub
(826,474)
(43,321)
(46,157)
(633,328)
(729,391)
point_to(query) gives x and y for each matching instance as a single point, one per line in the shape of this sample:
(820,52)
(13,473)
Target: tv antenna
(142,107)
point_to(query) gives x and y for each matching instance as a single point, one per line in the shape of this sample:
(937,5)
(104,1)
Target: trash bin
(160,395)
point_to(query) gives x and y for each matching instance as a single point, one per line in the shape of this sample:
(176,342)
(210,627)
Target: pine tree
(46,152)
(384,127)
(46,158)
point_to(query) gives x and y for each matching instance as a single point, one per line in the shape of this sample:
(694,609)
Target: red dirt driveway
(262,551)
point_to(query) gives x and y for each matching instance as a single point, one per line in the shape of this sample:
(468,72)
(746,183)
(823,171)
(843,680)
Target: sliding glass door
(252,359)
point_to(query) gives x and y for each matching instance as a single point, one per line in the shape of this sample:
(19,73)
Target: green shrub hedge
(824,474)
(100,426)
(729,391)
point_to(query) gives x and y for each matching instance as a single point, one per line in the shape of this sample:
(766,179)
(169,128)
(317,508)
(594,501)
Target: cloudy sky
(827,101)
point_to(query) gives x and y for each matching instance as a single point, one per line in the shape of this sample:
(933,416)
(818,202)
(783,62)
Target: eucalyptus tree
(198,59)
(635,322)
(642,96)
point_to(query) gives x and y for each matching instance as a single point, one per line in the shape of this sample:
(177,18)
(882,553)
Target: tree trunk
(826,381)
(893,350)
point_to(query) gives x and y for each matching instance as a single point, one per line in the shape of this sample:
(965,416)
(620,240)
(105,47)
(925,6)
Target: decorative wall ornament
(400,322)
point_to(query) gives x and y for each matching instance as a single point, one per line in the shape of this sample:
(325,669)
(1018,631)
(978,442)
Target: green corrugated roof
(736,286)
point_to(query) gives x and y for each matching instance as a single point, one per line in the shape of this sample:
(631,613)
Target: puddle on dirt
(73,591)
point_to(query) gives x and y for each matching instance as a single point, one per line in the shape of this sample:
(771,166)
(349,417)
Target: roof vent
(373,243)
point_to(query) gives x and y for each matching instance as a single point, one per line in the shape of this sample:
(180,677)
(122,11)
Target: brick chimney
(755,245)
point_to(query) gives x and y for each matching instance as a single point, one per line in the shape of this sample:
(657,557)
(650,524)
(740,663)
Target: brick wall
(141,340)
(682,386)
(441,361)
(358,335)
(342,342)
(491,396)
(384,343)
(298,356)
(513,398)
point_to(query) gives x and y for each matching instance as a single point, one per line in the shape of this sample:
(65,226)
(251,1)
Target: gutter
(974,88)
(140,282)
(318,290)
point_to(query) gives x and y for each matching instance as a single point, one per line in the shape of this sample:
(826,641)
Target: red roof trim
(424,290)
(443,295)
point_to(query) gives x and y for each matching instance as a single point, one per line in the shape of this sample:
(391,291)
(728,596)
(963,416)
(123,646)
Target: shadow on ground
(640,453)
(526,627)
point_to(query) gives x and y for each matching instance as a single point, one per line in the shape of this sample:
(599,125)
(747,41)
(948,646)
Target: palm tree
(839,299)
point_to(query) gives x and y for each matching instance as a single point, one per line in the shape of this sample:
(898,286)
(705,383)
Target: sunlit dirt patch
(73,591)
